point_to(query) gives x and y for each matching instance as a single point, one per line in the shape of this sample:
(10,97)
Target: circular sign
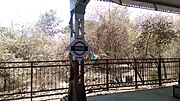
(79,48)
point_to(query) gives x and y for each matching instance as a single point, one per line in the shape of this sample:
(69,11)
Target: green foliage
(49,23)
(153,75)
(28,45)
(65,30)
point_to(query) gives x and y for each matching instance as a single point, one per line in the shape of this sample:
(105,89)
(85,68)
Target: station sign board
(79,48)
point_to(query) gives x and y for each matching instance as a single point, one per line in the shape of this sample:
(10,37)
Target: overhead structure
(170,6)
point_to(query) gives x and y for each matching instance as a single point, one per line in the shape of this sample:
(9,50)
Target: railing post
(135,67)
(31,81)
(159,72)
(107,75)
(179,73)
(5,81)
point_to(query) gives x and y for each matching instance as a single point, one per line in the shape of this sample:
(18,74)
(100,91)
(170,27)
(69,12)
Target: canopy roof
(172,6)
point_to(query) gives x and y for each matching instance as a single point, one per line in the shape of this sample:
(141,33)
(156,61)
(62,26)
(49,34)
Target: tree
(49,23)
(65,30)
(156,34)
(18,45)
(110,34)
(6,34)
(175,48)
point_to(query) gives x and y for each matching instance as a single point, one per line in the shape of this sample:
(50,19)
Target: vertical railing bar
(31,81)
(22,74)
(107,75)
(159,72)
(51,79)
(44,75)
(179,73)
(59,73)
(18,77)
(14,76)
(136,85)
(4,79)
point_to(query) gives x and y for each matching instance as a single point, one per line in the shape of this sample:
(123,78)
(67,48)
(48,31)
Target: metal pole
(76,82)
(31,81)
(107,75)
(159,72)
(136,84)
(179,73)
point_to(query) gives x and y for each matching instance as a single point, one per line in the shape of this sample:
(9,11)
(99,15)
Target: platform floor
(158,94)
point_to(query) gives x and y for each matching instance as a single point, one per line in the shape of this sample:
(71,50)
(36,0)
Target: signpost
(78,49)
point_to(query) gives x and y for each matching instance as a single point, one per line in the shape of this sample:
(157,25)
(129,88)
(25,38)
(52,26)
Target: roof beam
(170,6)
(169,3)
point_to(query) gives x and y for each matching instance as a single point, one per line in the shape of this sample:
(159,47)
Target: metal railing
(33,79)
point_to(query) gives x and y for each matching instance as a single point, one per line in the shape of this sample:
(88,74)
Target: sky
(28,11)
